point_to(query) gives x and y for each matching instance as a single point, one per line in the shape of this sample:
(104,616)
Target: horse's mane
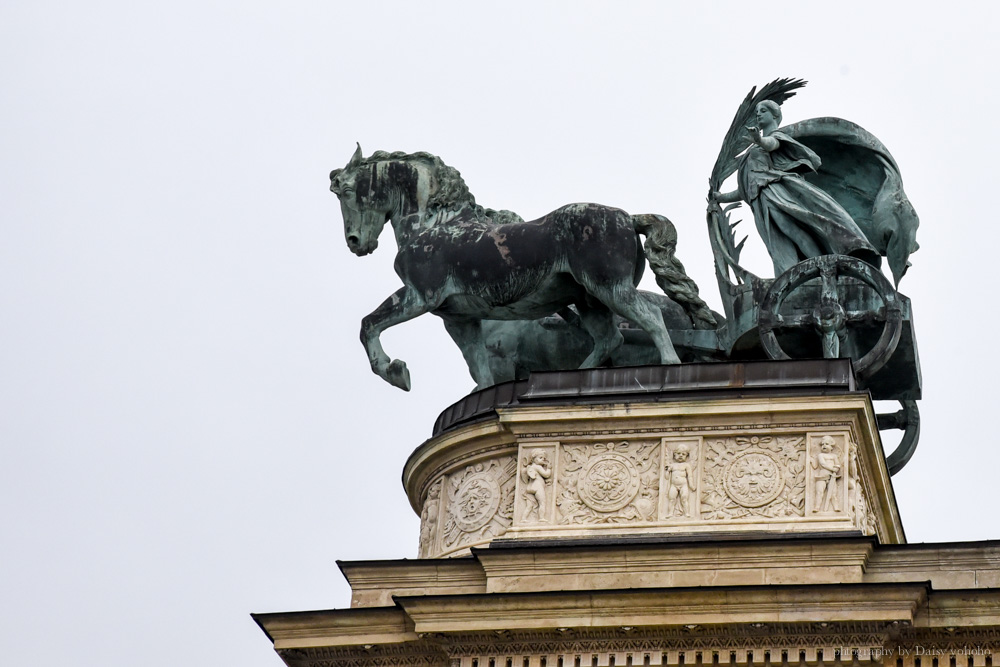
(451,194)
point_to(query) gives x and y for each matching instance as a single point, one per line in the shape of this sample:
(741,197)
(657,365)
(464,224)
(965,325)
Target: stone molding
(607,607)
(852,642)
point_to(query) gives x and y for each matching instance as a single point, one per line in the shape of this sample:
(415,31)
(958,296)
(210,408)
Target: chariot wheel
(829,318)
(908,420)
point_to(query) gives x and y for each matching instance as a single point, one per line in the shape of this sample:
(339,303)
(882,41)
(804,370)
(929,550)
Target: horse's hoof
(398,375)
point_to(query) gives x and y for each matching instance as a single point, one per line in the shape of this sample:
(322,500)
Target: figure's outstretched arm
(727,197)
(767,143)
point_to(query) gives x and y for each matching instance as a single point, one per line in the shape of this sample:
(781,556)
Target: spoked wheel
(908,420)
(829,319)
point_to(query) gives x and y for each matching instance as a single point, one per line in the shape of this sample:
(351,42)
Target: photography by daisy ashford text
(915,650)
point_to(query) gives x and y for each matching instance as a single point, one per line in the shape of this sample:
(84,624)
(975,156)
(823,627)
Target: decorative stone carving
(827,473)
(680,478)
(752,476)
(536,478)
(583,472)
(753,479)
(476,501)
(608,483)
(429,519)
(857,503)
(480,502)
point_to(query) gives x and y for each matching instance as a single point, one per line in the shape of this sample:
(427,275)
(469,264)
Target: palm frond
(737,140)
(732,247)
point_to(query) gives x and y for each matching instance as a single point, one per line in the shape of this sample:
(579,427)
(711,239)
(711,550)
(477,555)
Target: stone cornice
(337,627)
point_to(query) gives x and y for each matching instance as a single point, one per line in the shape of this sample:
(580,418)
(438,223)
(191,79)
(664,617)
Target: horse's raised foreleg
(468,335)
(403,305)
(626,301)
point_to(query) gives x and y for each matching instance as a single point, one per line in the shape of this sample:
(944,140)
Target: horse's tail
(660,246)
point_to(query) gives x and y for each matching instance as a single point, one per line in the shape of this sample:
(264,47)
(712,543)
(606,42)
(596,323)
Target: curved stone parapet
(754,459)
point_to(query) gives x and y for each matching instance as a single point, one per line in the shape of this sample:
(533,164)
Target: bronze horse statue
(467,264)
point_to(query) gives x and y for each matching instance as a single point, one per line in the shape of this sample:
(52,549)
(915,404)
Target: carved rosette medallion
(608,482)
(479,502)
(615,482)
(754,476)
(753,479)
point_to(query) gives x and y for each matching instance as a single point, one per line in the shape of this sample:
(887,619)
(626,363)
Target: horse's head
(365,204)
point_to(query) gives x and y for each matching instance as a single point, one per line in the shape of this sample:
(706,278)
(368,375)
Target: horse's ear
(334,183)
(356,158)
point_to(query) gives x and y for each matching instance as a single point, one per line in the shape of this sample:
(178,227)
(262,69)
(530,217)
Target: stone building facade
(741,514)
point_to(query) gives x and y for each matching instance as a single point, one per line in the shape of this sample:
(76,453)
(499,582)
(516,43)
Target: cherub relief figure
(680,482)
(827,472)
(428,519)
(535,476)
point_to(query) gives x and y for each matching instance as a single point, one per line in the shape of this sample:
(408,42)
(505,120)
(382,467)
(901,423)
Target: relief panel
(614,482)
(827,465)
(858,506)
(535,492)
(753,476)
(429,521)
(480,503)
(678,501)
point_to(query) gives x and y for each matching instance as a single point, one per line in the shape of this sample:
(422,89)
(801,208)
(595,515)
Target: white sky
(189,427)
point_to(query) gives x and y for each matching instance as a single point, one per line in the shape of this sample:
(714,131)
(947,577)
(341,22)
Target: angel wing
(858,171)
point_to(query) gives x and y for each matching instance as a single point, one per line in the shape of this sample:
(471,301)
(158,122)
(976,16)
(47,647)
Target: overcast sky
(189,427)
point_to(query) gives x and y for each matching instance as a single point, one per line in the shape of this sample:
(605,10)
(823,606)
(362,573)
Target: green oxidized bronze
(828,201)
(468,264)
(823,186)
(559,293)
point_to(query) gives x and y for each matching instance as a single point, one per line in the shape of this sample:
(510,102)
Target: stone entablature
(885,625)
(771,465)
(775,602)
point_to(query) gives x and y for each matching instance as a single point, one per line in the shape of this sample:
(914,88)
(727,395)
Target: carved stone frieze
(416,654)
(614,482)
(866,643)
(753,476)
(741,644)
(578,471)
(480,503)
